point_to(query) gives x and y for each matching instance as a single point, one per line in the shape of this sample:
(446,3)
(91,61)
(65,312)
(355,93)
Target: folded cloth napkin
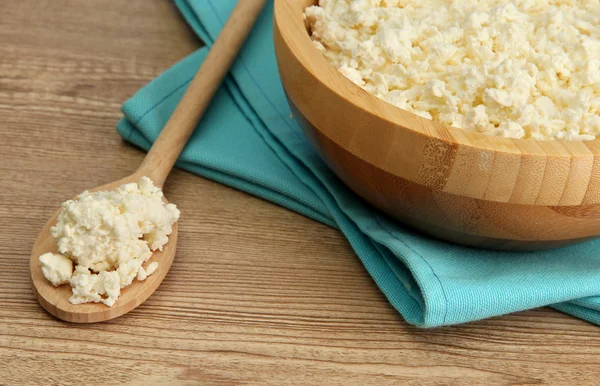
(249,140)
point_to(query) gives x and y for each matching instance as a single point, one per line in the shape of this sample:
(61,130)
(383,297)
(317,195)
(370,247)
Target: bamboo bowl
(460,186)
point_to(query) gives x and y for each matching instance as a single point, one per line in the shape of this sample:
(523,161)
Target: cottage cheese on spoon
(108,235)
(519,69)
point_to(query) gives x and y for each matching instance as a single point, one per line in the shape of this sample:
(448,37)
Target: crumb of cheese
(56,268)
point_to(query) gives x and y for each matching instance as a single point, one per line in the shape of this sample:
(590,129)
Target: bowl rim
(313,61)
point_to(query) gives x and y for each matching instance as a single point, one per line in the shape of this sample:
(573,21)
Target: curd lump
(518,69)
(108,236)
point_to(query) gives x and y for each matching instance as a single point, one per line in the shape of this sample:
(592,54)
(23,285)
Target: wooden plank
(257,294)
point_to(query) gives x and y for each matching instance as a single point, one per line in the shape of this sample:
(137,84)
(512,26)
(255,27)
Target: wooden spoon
(156,165)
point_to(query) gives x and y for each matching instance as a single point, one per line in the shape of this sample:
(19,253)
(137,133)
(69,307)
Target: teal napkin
(248,140)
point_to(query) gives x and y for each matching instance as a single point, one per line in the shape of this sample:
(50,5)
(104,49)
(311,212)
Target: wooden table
(257,294)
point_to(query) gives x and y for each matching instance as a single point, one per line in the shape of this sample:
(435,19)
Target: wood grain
(462,186)
(256,294)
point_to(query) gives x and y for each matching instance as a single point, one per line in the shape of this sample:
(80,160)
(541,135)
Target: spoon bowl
(55,300)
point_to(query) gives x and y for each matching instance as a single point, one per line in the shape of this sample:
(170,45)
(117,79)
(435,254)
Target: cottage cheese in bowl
(518,69)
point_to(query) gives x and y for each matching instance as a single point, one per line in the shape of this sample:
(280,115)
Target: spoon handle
(166,149)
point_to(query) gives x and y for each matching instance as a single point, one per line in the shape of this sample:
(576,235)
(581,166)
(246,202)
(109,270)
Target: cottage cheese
(518,69)
(57,269)
(109,235)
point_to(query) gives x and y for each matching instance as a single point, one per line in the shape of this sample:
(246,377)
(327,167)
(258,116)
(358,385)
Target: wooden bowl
(461,186)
